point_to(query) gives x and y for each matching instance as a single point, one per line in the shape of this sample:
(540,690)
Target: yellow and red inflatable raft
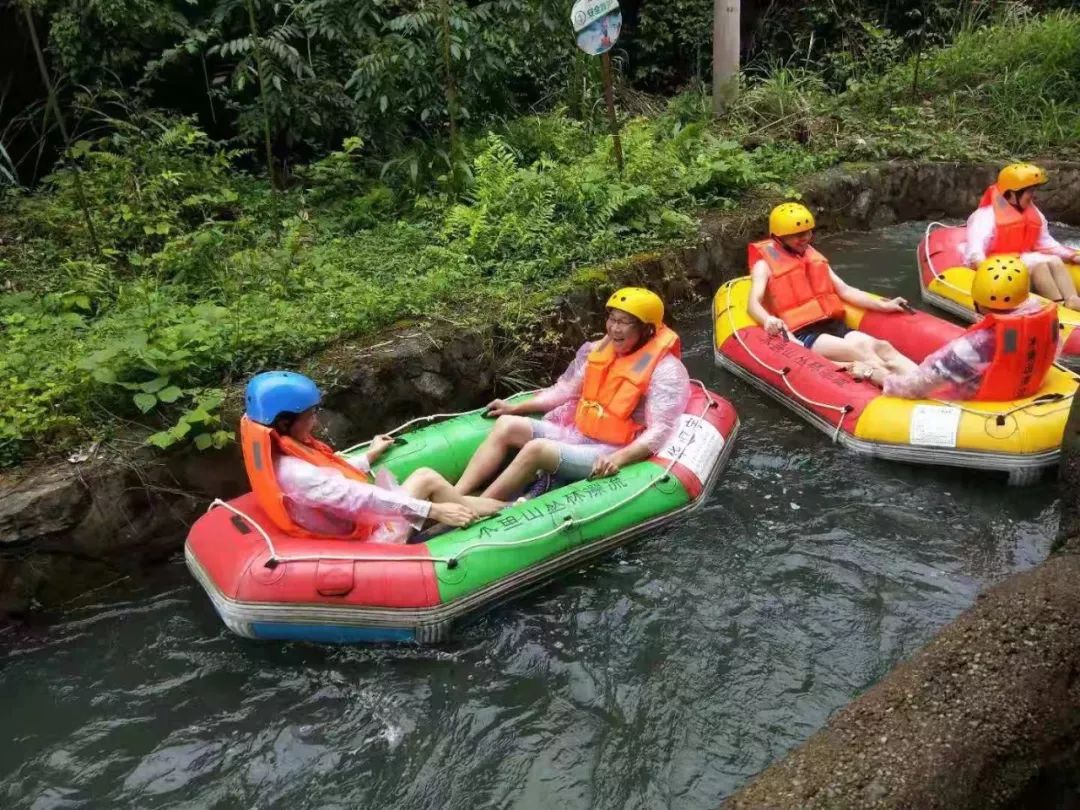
(1020,437)
(945,282)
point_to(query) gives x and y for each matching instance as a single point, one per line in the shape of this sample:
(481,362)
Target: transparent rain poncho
(324,501)
(955,371)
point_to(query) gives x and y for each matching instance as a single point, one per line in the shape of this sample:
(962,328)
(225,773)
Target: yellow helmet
(790,218)
(1016,176)
(645,305)
(1001,282)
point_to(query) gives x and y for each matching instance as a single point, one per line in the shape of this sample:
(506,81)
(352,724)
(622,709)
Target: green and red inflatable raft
(267,584)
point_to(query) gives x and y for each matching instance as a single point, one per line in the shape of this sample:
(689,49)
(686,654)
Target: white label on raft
(699,442)
(934,425)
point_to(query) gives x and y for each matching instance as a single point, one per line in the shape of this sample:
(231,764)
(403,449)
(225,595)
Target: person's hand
(603,467)
(452,514)
(1075,258)
(897,304)
(379,445)
(774,325)
(499,407)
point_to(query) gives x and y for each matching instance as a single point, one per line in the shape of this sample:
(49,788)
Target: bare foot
(1073,302)
(485,506)
(858,369)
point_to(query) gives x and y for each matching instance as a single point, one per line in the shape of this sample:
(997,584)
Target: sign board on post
(597,25)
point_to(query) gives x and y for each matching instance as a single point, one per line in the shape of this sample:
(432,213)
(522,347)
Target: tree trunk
(725,53)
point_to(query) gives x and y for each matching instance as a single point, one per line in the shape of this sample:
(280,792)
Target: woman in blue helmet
(308,489)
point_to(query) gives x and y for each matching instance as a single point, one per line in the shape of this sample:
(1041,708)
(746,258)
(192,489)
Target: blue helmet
(273,393)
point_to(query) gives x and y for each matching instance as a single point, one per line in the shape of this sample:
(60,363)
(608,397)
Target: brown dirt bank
(986,715)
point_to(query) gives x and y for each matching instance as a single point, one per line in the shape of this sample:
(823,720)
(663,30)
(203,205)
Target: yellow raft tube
(1020,437)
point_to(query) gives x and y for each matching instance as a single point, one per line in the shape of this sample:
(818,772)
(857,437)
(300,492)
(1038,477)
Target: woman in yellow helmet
(1008,221)
(617,403)
(1005,356)
(794,291)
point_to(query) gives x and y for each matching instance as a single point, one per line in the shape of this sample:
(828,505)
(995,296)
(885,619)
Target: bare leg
(842,350)
(483,506)
(510,432)
(1044,281)
(428,485)
(537,455)
(1064,281)
(892,359)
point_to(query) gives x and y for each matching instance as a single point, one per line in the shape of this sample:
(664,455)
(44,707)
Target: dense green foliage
(394,72)
(205,275)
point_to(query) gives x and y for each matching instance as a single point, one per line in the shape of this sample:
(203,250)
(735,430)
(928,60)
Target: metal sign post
(597,25)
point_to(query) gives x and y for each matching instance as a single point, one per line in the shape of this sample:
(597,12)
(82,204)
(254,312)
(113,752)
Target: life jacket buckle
(594,405)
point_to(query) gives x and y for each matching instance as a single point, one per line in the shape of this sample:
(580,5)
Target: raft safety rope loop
(843,410)
(276,559)
(427,419)
(930,264)
(569,521)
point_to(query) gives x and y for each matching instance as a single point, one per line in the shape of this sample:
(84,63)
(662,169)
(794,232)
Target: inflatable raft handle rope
(929,262)
(426,419)
(451,562)
(844,410)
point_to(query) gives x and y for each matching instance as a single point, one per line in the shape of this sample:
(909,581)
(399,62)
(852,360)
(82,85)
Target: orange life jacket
(613,387)
(1014,231)
(259,443)
(1025,348)
(800,291)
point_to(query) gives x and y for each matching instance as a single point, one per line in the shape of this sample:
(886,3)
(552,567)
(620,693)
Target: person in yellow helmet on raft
(1007,221)
(794,291)
(617,403)
(1005,356)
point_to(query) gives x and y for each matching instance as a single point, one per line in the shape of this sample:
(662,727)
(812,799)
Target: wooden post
(918,52)
(609,97)
(725,83)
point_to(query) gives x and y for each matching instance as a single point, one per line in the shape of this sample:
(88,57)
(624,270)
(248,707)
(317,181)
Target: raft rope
(843,410)
(451,562)
(427,420)
(930,264)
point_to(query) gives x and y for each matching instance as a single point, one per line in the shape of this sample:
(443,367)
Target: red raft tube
(266,584)
(945,282)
